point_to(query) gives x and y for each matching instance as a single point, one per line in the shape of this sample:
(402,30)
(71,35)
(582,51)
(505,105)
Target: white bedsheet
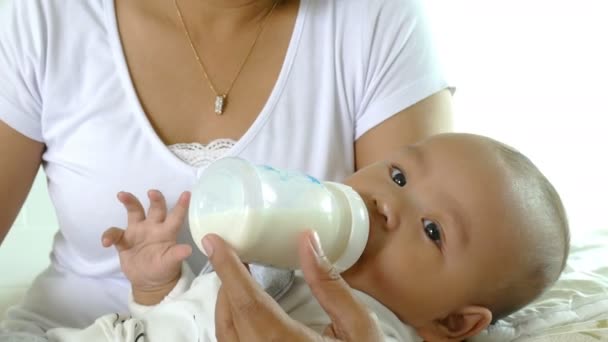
(575,309)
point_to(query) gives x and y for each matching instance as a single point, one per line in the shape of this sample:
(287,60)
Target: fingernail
(208,247)
(184,197)
(322,260)
(315,242)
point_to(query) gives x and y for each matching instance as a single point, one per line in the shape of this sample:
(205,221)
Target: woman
(112,95)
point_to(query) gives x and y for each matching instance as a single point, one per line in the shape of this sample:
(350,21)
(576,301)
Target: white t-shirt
(188,314)
(64,81)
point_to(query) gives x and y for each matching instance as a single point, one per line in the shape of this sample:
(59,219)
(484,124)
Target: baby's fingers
(114,236)
(135,211)
(158,206)
(178,253)
(178,214)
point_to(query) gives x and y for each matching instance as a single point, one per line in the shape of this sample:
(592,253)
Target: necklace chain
(221,98)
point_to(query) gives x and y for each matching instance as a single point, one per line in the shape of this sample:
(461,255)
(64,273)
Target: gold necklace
(221,98)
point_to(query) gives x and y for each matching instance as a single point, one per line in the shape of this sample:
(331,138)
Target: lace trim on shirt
(199,155)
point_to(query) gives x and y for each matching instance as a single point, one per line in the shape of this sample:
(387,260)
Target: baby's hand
(149,254)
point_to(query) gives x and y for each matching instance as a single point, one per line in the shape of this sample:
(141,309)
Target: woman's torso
(99,140)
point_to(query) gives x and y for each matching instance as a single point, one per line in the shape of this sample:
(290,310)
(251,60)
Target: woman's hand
(149,254)
(244,312)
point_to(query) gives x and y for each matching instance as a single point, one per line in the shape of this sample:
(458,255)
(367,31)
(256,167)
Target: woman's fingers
(330,332)
(350,319)
(253,315)
(114,236)
(135,211)
(225,331)
(158,206)
(250,305)
(241,289)
(177,216)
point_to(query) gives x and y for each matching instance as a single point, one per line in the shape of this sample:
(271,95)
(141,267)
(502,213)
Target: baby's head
(463,231)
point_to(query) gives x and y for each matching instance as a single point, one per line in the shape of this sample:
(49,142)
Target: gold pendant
(219,104)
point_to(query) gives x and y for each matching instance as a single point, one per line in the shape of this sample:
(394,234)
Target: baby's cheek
(413,273)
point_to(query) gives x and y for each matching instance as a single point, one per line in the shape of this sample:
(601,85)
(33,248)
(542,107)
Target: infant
(464,231)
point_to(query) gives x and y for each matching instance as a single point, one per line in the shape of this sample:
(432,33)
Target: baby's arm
(150,256)
(138,310)
(185,313)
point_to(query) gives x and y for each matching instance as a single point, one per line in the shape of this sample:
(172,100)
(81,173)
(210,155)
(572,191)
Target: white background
(534,74)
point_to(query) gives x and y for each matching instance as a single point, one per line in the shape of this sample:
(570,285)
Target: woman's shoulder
(366,17)
(37,28)
(358,9)
(29,10)
(42,21)
(53,20)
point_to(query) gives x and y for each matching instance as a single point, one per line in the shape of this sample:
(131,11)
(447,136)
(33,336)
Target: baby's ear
(457,326)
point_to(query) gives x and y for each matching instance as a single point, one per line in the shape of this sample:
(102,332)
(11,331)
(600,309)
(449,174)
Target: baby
(463,231)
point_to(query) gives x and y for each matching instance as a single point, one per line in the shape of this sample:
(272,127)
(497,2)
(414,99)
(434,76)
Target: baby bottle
(260,211)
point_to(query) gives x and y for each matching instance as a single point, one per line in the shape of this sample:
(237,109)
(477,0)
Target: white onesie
(188,314)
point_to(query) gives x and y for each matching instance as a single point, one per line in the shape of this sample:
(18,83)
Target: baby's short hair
(548,236)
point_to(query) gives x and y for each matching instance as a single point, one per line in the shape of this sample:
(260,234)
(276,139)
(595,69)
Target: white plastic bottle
(260,211)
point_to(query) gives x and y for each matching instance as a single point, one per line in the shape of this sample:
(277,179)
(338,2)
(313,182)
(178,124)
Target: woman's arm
(430,116)
(20,159)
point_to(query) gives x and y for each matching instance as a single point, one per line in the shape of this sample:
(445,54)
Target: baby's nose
(390,214)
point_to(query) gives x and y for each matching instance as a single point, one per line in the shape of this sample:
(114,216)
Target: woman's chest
(178,70)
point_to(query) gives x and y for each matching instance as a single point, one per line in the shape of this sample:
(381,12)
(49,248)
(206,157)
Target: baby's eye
(432,231)
(398,176)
